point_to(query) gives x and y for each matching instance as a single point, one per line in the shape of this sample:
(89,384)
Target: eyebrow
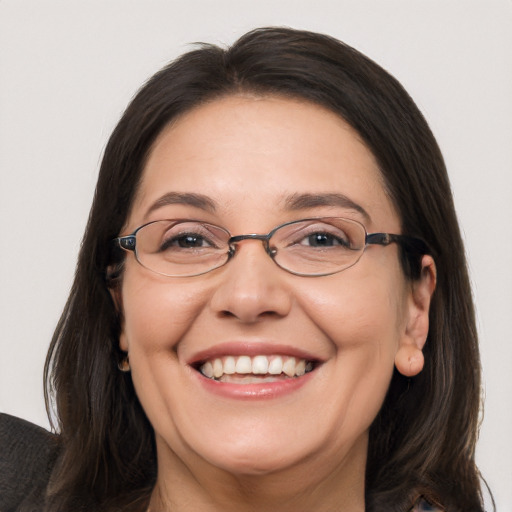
(292,202)
(305,201)
(197,200)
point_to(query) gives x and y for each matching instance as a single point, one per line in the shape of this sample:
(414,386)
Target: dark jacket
(27,456)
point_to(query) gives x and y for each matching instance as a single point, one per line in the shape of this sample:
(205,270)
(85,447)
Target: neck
(310,485)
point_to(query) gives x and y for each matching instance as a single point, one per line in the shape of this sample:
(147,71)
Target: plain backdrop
(68,69)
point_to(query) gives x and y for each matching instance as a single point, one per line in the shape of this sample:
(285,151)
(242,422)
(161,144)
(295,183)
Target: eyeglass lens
(306,247)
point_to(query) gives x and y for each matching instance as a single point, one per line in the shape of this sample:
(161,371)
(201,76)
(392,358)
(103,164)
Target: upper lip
(250,348)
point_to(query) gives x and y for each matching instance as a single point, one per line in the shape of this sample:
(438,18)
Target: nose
(252,286)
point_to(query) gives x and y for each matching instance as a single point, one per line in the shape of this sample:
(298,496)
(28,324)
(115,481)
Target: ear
(409,357)
(117,299)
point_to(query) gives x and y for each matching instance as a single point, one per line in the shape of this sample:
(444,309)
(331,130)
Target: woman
(191,372)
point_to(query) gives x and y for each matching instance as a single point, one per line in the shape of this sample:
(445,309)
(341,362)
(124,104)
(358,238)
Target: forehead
(248,152)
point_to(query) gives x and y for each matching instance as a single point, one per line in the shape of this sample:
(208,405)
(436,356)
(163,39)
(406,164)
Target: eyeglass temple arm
(409,243)
(126,242)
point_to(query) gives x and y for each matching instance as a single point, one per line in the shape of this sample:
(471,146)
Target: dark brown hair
(422,442)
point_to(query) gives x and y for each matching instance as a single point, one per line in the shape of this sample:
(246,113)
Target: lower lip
(263,391)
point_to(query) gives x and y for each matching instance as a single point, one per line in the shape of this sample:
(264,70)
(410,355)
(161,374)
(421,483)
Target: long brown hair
(422,443)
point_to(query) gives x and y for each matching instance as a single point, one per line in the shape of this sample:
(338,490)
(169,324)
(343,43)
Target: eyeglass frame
(409,243)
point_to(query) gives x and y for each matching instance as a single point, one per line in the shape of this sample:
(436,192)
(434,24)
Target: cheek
(157,312)
(357,312)
(362,315)
(364,326)
(157,315)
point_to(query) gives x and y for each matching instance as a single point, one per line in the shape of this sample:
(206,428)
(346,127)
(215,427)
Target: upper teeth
(257,365)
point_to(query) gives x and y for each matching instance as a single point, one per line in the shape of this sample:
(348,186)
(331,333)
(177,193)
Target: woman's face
(257,162)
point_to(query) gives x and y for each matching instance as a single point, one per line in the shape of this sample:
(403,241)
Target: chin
(263,448)
(255,462)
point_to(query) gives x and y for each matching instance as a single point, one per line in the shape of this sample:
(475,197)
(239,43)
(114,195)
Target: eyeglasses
(307,247)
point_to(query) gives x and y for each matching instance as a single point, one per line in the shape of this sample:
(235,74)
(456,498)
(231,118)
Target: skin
(305,450)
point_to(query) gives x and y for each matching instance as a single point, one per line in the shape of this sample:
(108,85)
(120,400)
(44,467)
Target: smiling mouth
(254,370)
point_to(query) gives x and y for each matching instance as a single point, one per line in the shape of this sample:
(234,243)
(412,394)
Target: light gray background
(68,68)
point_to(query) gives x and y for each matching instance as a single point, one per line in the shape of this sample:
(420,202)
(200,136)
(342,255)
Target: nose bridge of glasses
(252,236)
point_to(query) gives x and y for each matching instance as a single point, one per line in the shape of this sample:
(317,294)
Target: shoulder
(27,455)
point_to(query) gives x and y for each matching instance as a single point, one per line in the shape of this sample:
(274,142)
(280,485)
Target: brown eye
(185,241)
(325,240)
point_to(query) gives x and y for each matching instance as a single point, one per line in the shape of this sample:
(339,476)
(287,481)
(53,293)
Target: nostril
(263,314)
(226,314)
